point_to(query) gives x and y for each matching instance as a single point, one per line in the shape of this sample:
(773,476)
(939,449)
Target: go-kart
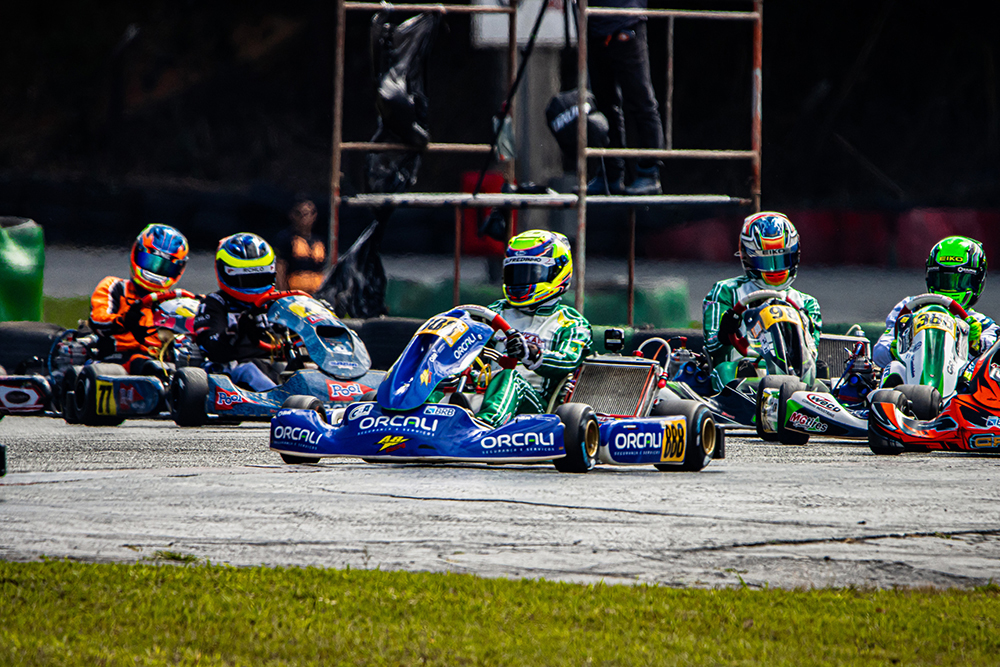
(608,412)
(68,387)
(969,420)
(315,353)
(932,347)
(777,342)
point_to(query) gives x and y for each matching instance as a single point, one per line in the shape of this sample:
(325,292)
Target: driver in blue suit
(233,333)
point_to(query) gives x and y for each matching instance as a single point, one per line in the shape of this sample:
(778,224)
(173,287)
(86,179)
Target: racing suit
(724,295)
(231,333)
(124,329)
(882,352)
(562,335)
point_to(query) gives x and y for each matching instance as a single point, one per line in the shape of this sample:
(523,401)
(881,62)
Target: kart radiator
(618,387)
(836,350)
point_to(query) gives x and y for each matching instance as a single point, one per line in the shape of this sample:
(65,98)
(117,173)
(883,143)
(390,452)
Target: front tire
(767,382)
(925,401)
(702,437)
(299,402)
(581,437)
(787,436)
(68,399)
(88,401)
(188,392)
(880,445)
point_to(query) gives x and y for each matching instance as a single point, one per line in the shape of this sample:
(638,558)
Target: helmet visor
(772,263)
(528,270)
(249,278)
(950,281)
(159,265)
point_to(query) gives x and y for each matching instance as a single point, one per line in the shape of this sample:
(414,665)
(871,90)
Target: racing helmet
(537,268)
(956,268)
(244,266)
(158,257)
(769,250)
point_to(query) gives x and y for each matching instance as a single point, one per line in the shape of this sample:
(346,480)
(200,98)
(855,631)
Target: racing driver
(552,338)
(769,251)
(123,326)
(232,331)
(956,268)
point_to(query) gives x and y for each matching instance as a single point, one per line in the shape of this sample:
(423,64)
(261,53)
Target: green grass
(65,312)
(64,613)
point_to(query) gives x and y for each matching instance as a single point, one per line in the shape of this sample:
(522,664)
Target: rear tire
(188,392)
(300,402)
(86,395)
(702,438)
(581,437)
(925,401)
(876,442)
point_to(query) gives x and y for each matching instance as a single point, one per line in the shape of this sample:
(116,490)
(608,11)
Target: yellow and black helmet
(538,267)
(244,266)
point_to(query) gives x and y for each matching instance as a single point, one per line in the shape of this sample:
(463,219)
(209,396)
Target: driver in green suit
(769,251)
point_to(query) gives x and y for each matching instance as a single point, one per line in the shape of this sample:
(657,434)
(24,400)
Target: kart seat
(471,402)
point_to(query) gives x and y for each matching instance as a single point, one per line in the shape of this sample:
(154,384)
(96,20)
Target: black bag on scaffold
(356,286)
(561,114)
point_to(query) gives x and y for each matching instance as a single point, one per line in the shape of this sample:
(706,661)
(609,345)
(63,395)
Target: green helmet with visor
(956,268)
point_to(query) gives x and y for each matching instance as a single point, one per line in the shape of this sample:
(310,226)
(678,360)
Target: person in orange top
(301,255)
(124,327)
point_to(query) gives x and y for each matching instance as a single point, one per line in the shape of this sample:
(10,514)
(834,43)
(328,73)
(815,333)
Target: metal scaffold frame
(580,201)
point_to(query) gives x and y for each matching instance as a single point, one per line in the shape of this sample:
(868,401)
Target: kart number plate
(674,439)
(933,321)
(106,404)
(449,328)
(773,314)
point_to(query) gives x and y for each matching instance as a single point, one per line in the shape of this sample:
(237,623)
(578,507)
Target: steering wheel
(954,307)
(269,297)
(741,343)
(157,297)
(497,323)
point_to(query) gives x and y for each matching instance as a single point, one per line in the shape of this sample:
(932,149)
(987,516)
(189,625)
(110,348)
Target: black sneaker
(598,185)
(647,182)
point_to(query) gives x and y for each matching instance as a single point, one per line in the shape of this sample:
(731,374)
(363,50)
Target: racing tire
(880,445)
(925,401)
(86,396)
(702,438)
(768,382)
(787,436)
(68,398)
(581,437)
(188,391)
(300,402)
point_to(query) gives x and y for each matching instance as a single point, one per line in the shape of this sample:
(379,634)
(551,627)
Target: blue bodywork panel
(229,401)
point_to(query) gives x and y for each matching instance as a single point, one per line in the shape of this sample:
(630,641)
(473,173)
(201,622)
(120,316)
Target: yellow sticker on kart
(778,313)
(933,320)
(105,394)
(449,328)
(674,439)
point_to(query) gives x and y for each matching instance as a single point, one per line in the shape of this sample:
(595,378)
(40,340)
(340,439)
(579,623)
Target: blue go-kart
(609,411)
(316,354)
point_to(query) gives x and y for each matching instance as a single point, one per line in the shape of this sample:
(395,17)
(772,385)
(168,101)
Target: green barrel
(22,268)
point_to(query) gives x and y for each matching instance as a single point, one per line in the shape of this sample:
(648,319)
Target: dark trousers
(619,78)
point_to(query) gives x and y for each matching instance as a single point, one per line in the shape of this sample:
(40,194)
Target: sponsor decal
(668,438)
(411,422)
(294,434)
(391,443)
(518,440)
(806,423)
(984,441)
(309,314)
(345,391)
(127,395)
(225,400)
(439,411)
(14,397)
(463,347)
(360,410)
(823,402)
(425,376)
(529,259)
(105,398)
(992,421)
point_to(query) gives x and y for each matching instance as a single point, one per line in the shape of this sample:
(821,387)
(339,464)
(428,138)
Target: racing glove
(729,324)
(253,324)
(527,353)
(130,319)
(975,334)
(893,351)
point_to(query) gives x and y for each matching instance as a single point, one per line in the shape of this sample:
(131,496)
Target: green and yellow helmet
(537,268)
(956,268)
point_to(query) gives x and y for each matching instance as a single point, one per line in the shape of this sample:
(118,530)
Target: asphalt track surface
(826,514)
